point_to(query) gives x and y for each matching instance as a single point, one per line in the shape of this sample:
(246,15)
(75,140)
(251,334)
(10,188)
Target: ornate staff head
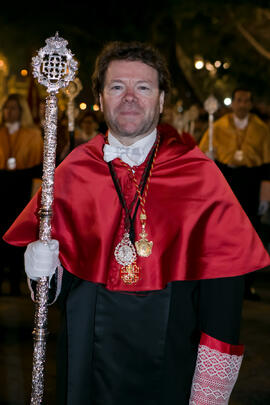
(54,66)
(73,89)
(211,106)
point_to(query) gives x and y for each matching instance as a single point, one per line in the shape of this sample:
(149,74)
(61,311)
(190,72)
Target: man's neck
(12,126)
(113,139)
(129,140)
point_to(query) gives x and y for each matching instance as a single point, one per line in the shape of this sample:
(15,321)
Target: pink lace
(214,377)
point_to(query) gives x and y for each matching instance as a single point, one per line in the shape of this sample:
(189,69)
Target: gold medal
(144,246)
(130,274)
(239,155)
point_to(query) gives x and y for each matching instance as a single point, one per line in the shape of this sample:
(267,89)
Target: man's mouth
(129,113)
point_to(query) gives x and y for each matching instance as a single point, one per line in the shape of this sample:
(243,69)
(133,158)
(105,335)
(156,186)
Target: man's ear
(161,101)
(100,102)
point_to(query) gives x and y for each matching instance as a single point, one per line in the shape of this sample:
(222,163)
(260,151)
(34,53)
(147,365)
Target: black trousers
(117,348)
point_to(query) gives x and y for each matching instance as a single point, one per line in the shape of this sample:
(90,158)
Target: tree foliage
(236,32)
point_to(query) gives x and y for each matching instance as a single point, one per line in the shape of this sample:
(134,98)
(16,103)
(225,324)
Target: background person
(88,126)
(21,149)
(241,143)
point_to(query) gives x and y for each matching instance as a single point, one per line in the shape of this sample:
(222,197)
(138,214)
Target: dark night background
(180,29)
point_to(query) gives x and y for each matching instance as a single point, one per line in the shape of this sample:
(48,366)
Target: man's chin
(241,114)
(129,130)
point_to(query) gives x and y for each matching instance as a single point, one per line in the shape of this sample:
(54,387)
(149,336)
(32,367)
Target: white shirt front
(240,123)
(133,155)
(12,127)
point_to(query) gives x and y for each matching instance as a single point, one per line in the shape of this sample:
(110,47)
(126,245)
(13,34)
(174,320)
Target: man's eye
(116,87)
(144,88)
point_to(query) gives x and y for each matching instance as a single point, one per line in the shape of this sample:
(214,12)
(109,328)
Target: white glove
(41,260)
(263,207)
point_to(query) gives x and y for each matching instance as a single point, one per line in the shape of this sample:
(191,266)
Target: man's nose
(129,95)
(242,103)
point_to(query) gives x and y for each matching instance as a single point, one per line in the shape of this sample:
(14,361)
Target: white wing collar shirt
(240,123)
(134,154)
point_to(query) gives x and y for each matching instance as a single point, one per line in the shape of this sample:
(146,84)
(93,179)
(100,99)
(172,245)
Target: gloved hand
(40,259)
(263,207)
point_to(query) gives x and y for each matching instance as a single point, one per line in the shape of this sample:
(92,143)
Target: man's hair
(86,114)
(129,51)
(13,97)
(243,88)
(25,118)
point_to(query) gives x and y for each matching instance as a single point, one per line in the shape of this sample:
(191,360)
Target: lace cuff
(216,371)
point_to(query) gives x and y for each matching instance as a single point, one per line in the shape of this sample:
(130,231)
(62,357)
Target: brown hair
(244,89)
(26,118)
(130,51)
(86,114)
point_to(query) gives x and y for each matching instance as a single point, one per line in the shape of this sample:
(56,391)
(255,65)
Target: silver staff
(193,116)
(211,106)
(72,90)
(54,67)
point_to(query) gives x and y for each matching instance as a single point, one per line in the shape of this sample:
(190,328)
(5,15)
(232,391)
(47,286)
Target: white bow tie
(131,156)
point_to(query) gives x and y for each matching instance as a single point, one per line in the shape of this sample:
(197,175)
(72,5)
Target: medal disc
(11,163)
(239,155)
(144,247)
(130,274)
(124,252)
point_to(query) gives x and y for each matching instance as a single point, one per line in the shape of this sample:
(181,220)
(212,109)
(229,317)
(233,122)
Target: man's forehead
(242,94)
(125,69)
(12,103)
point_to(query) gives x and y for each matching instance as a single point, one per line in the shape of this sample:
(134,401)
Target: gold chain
(142,198)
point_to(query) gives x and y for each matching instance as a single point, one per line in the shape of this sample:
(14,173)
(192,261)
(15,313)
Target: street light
(227,101)
(199,62)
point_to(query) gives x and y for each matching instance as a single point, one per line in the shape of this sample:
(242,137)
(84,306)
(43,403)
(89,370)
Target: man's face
(89,125)
(11,112)
(241,104)
(131,100)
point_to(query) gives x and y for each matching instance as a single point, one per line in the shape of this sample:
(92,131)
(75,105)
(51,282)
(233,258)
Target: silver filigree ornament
(54,66)
(124,252)
(71,91)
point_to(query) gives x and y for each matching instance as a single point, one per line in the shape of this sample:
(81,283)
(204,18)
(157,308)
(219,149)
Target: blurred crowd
(21,157)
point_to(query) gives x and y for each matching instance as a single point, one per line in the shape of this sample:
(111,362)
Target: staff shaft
(45,215)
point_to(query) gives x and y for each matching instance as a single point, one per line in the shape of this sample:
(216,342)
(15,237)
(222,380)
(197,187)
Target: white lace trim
(214,377)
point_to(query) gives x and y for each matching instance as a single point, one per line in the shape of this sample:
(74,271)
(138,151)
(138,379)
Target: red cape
(198,228)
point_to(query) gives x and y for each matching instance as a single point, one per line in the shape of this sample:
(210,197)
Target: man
(241,143)
(21,150)
(152,282)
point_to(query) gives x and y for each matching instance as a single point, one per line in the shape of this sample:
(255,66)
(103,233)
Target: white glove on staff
(41,260)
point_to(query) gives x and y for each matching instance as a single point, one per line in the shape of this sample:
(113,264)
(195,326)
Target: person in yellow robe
(21,151)
(241,144)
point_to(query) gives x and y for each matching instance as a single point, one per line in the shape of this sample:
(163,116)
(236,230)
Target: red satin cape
(197,226)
